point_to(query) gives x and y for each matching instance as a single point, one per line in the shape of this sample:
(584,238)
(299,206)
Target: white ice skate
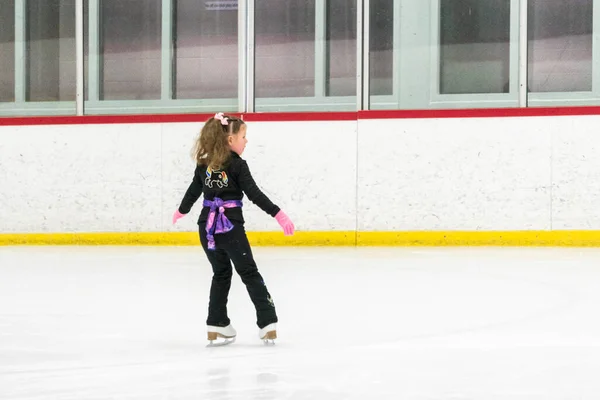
(268,333)
(221,336)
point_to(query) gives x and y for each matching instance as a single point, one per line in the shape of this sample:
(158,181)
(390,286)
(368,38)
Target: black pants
(234,246)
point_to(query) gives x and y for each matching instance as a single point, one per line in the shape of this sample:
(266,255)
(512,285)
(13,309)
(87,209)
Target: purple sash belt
(217,222)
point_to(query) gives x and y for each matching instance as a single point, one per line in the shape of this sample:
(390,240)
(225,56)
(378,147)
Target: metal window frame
(363,76)
(246,94)
(389,101)
(21,106)
(562,99)
(167,53)
(20,52)
(320,49)
(94,59)
(475,100)
(523,67)
(167,103)
(320,98)
(79,59)
(247,45)
(246,101)
(243,50)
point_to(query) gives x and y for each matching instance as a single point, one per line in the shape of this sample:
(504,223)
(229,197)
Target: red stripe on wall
(481,112)
(301,116)
(105,119)
(306,116)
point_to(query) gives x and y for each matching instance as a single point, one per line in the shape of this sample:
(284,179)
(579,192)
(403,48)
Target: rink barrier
(336,238)
(569,210)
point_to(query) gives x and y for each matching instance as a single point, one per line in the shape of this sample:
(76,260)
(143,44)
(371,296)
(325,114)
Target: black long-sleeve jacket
(229,183)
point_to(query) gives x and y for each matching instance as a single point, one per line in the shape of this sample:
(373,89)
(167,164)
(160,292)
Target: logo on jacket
(217,177)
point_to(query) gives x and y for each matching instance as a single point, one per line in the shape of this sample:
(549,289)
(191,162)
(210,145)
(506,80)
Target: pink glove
(285,222)
(176,216)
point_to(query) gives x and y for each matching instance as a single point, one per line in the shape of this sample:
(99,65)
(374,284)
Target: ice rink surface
(91,323)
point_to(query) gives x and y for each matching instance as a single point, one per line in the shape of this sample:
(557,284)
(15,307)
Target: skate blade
(269,338)
(216,339)
(220,342)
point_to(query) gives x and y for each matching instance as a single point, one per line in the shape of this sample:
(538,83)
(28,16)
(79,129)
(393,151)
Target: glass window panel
(130,37)
(50,50)
(206,51)
(560,45)
(7,50)
(86,48)
(285,48)
(474,46)
(381,47)
(341,48)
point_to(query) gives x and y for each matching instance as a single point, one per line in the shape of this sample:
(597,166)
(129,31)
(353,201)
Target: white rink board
(517,173)
(71,178)
(454,174)
(131,177)
(576,173)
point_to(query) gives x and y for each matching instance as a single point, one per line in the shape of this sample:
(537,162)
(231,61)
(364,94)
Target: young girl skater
(223,178)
